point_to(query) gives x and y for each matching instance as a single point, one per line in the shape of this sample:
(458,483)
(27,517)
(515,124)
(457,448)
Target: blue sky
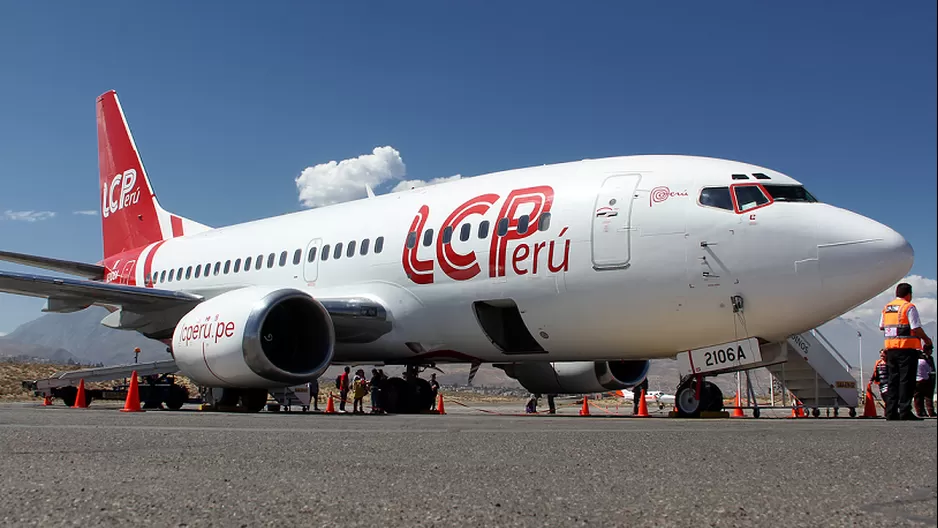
(230,101)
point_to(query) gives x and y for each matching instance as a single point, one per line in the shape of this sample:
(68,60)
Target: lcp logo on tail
(121,192)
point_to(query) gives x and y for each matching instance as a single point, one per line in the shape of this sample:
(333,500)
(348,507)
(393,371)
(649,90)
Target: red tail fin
(130,215)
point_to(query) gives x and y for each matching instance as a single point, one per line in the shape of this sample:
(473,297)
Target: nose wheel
(691,401)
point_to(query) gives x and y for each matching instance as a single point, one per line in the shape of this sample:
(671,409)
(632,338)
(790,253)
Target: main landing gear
(695,395)
(407,395)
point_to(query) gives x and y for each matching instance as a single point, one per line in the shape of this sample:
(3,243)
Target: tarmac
(97,466)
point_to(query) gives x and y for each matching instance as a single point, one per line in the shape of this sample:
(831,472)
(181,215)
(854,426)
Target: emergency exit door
(611,221)
(311,260)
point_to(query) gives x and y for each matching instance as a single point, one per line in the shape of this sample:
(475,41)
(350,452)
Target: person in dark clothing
(903,333)
(638,392)
(551,407)
(434,390)
(925,387)
(375,391)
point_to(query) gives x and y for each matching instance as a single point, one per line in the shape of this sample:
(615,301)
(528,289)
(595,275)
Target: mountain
(83,338)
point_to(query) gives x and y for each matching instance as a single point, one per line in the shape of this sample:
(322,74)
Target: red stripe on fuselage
(149,263)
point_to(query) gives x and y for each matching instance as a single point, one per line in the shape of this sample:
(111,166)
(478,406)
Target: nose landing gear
(695,395)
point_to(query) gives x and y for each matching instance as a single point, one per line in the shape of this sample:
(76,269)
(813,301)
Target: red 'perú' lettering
(419,271)
(541,197)
(456,265)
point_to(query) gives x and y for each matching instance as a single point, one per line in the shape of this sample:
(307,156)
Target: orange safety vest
(897,328)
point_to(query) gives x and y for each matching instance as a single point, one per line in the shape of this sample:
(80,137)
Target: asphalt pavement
(97,466)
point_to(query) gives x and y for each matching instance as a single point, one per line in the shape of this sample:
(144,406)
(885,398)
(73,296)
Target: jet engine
(255,337)
(577,377)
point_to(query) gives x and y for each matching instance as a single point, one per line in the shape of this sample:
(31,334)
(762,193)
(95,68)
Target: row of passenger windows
(258,262)
(750,196)
(465,230)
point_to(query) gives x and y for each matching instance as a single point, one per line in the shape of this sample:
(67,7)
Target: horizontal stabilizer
(81,269)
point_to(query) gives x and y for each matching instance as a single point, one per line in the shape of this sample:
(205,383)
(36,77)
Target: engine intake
(255,337)
(577,377)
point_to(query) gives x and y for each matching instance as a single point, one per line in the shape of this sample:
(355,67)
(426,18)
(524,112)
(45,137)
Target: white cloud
(414,184)
(28,216)
(924,293)
(2,334)
(86,212)
(336,182)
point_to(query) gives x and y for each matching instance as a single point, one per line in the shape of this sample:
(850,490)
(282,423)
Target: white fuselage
(631,266)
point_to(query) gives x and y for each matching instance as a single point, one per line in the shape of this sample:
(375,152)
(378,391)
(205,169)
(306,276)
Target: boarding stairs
(813,371)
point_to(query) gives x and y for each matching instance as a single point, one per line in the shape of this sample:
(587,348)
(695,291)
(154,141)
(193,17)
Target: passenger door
(611,222)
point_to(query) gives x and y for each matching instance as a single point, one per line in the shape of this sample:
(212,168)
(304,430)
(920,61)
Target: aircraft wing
(81,269)
(155,313)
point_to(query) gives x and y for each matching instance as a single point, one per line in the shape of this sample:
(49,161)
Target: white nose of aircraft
(858,257)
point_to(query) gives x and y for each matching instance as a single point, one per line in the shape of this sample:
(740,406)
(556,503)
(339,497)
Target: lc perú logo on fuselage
(534,258)
(121,192)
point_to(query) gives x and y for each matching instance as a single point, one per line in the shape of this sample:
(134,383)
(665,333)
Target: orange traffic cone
(132,404)
(738,411)
(47,401)
(439,405)
(642,406)
(585,410)
(330,405)
(869,404)
(81,401)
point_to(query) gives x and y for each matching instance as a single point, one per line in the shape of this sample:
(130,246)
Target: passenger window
(523,224)
(411,240)
(188,272)
(749,196)
(179,274)
(465,231)
(543,223)
(484,229)
(198,271)
(503,227)
(718,197)
(270,260)
(337,252)
(171,272)
(237,266)
(312,254)
(297,256)
(379,244)
(350,250)
(427,237)
(447,234)
(217,268)
(325,253)
(227,267)
(247,264)
(259,262)
(163,276)
(363,249)
(283,258)
(208,268)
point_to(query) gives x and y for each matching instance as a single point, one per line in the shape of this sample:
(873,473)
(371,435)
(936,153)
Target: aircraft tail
(131,217)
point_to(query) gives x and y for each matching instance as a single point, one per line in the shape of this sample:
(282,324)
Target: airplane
(653,396)
(569,277)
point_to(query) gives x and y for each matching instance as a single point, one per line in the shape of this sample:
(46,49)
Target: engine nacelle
(255,337)
(577,377)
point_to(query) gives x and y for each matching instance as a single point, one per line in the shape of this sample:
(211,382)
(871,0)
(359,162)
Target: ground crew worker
(552,408)
(314,394)
(638,392)
(434,390)
(343,386)
(903,332)
(881,375)
(925,385)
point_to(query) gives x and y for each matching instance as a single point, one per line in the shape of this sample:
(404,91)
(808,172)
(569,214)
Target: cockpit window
(789,193)
(718,197)
(750,196)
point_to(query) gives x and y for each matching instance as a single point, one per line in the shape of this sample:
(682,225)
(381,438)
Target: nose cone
(858,257)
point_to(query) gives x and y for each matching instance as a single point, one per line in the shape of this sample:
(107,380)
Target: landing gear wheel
(396,394)
(422,397)
(688,406)
(712,397)
(815,412)
(253,400)
(852,413)
(176,398)
(68,395)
